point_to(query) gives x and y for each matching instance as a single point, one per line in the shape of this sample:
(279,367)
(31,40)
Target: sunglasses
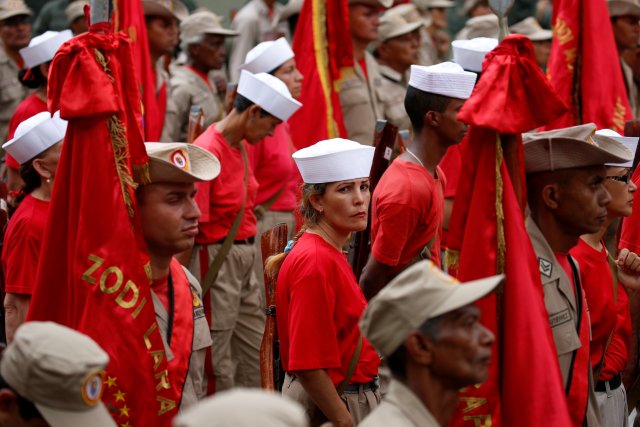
(621,178)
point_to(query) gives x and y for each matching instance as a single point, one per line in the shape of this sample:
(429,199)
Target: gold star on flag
(124,411)
(111,381)
(119,395)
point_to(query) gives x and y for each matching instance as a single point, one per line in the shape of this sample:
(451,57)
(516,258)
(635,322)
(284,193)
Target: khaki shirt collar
(404,399)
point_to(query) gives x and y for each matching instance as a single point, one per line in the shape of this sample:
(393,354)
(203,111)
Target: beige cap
(433,4)
(531,28)
(333,160)
(383,3)
(171,8)
(61,371)
(419,293)
(180,162)
(268,92)
(480,26)
(203,22)
(9,8)
(35,135)
(244,408)
(394,24)
(623,7)
(75,10)
(572,147)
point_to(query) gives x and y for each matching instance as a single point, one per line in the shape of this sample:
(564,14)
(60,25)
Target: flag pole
(501,8)
(100,11)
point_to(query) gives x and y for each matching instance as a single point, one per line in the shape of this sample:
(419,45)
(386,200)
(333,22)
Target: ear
(40,167)
(419,348)
(551,195)
(432,118)
(254,111)
(316,202)
(8,401)
(194,48)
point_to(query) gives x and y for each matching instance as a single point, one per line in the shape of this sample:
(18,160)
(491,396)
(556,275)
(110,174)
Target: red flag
(129,18)
(94,275)
(322,45)
(487,236)
(584,66)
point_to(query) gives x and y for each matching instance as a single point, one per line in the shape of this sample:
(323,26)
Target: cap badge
(180,159)
(92,388)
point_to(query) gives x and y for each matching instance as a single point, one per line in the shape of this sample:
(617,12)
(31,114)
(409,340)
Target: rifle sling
(218,260)
(262,209)
(352,366)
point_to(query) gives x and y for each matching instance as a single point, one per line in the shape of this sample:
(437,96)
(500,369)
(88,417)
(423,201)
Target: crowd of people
(391,347)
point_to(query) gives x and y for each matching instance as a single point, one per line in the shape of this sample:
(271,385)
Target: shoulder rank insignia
(546,267)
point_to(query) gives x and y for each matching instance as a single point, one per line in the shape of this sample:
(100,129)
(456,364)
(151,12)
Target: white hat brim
(269,99)
(98,416)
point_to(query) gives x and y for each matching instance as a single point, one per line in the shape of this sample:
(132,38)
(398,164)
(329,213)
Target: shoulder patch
(546,267)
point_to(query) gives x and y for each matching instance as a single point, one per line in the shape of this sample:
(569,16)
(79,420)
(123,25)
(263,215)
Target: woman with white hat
(331,370)
(36,147)
(270,159)
(37,57)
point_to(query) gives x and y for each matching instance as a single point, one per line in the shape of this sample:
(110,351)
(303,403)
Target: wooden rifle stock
(196,123)
(384,140)
(271,375)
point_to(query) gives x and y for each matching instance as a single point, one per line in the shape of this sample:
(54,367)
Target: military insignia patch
(562,317)
(198,308)
(180,159)
(92,388)
(546,267)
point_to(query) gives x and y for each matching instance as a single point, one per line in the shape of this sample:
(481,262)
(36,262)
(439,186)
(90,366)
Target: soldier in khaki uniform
(434,42)
(169,220)
(358,97)
(567,198)
(396,50)
(15,33)
(203,41)
(411,322)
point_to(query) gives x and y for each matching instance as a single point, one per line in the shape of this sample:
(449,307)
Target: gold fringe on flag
(502,245)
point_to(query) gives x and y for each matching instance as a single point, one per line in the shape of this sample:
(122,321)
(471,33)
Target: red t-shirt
(221,199)
(606,316)
(22,243)
(31,106)
(406,213)
(274,169)
(319,306)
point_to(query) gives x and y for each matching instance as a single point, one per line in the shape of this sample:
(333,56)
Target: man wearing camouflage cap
(15,33)
(52,376)
(567,198)
(426,326)
(203,40)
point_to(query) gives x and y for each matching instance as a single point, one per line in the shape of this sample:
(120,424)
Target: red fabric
(406,213)
(129,18)
(319,305)
(363,67)
(91,276)
(22,243)
(451,165)
(31,106)
(524,385)
(221,199)
(597,283)
(274,169)
(630,230)
(322,32)
(160,287)
(577,52)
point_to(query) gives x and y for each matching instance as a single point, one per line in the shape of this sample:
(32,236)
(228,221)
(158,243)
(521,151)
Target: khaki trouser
(237,318)
(266,223)
(359,404)
(613,407)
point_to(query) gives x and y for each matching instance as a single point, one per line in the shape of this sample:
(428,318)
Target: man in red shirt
(407,206)
(567,198)
(234,305)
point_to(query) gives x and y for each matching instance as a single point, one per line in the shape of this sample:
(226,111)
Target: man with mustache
(407,206)
(567,198)
(426,326)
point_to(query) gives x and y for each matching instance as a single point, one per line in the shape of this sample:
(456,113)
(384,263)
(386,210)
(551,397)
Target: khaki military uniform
(428,53)
(400,408)
(12,92)
(560,301)
(391,94)
(360,104)
(185,90)
(255,25)
(632,88)
(195,385)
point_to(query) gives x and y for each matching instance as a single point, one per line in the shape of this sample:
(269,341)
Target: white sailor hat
(531,28)
(43,48)
(631,142)
(469,54)
(34,135)
(572,147)
(267,56)
(446,79)
(269,92)
(334,160)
